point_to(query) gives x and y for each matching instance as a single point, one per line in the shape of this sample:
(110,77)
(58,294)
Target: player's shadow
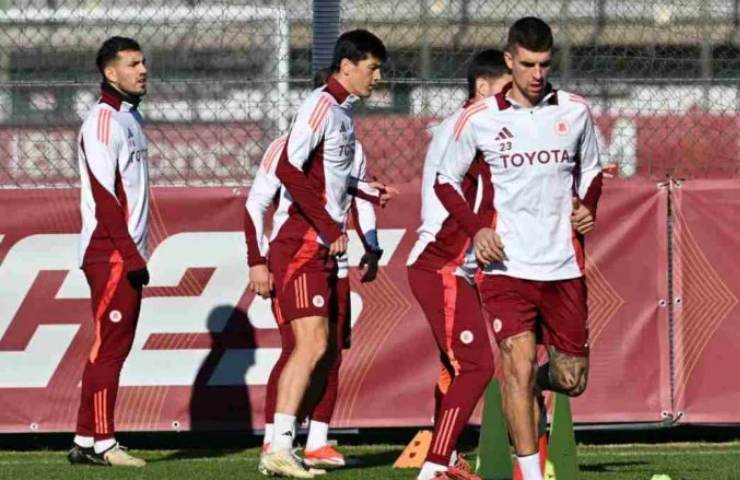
(219,399)
(372,460)
(616,466)
(220,396)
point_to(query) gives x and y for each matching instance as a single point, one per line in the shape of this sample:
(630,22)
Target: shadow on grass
(613,466)
(374,459)
(194,453)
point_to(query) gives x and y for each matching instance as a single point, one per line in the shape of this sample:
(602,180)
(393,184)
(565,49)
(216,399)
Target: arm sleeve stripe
(460,124)
(319,113)
(579,99)
(273,153)
(104,126)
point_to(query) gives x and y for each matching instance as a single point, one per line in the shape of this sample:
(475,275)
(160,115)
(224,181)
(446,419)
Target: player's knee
(580,386)
(311,350)
(569,375)
(319,347)
(518,360)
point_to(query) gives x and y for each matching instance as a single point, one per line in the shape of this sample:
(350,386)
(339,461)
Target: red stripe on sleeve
(463,120)
(273,154)
(319,113)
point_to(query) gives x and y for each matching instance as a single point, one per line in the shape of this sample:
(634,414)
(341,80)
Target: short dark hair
(486,64)
(530,33)
(321,77)
(355,46)
(109,51)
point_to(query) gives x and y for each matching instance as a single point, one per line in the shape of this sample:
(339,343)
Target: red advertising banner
(628,309)
(706,290)
(205,346)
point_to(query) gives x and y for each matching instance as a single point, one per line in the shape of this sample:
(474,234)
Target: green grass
(682,461)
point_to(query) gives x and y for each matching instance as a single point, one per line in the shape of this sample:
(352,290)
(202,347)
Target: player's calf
(518,361)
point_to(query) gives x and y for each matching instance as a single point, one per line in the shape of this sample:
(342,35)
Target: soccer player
(114,183)
(264,192)
(441,275)
(540,147)
(315,168)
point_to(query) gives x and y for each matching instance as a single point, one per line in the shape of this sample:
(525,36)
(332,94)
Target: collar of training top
(505,101)
(336,90)
(114,98)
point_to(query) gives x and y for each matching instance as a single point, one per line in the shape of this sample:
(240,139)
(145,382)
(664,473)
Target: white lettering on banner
(206,313)
(224,251)
(34,366)
(388,239)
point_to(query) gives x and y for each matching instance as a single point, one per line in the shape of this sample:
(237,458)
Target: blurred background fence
(226,77)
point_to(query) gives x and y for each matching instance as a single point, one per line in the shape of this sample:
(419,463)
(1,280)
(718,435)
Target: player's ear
(482,87)
(110,73)
(345,66)
(509,59)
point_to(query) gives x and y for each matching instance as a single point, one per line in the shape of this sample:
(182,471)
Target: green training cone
(494,456)
(562,463)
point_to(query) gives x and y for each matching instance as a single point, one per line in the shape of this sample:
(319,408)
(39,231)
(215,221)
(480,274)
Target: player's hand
(610,170)
(338,246)
(138,278)
(260,281)
(369,265)
(581,217)
(387,193)
(488,246)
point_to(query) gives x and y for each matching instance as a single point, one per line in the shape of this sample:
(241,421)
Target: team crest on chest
(562,127)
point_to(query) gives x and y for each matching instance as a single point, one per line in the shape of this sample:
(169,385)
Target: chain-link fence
(226,77)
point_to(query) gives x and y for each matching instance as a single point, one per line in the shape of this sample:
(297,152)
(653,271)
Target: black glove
(370,259)
(138,278)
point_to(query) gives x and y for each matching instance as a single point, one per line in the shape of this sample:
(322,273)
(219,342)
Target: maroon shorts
(339,313)
(556,310)
(304,275)
(454,313)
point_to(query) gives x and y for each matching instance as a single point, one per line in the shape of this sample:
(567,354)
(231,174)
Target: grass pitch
(681,461)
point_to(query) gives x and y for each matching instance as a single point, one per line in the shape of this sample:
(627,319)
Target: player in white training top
(315,169)
(263,193)
(540,146)
(441,275)
(114,201)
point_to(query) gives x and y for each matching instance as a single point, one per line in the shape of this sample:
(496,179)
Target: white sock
(283,432)
(530,466)
(268,434)
(103,445)
(84,442)
(429,469)
(318,435)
